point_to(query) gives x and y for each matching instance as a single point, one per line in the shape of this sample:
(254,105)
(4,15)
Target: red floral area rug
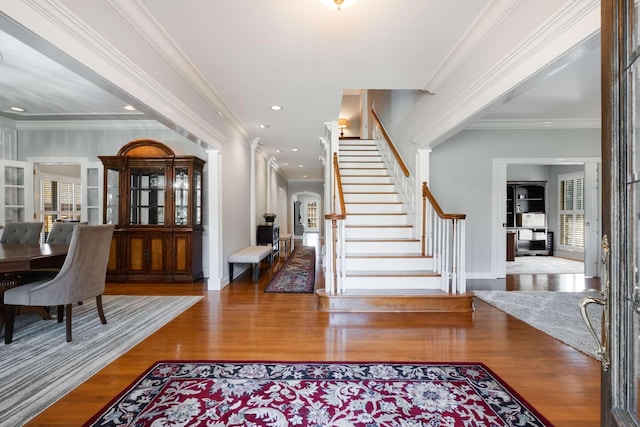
(298,274)
(216,394)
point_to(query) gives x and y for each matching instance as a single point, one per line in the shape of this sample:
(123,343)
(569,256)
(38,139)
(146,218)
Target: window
(571,211)
(61,199)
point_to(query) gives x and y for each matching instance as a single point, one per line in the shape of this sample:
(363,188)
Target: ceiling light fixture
(129,107)
(342,125)
(294,149)
(276,107)
(17,109)
(264,126)
(338,4)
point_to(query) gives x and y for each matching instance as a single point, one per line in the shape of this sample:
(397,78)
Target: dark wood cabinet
(154,198)
(269,235)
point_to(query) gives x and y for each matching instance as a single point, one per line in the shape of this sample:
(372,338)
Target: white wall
(461,175)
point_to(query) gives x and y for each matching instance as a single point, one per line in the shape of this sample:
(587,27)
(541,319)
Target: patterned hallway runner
(297,275)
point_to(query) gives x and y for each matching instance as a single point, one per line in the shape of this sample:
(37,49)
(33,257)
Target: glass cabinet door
(181,196)
(112,196)
(197,178)
(14,199)
(147,192)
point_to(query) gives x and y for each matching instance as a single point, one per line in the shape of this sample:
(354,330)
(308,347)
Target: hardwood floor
(244,323)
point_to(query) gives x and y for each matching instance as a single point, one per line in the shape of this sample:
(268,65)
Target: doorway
(592,208)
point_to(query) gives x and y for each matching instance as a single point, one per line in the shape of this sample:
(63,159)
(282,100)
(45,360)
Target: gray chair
(21,232)
(81,277)
(60,233)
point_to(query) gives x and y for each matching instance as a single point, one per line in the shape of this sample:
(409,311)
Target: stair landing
(427,301)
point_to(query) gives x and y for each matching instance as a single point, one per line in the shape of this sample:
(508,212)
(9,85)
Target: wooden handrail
(436,207)
(393,147)
(343,210)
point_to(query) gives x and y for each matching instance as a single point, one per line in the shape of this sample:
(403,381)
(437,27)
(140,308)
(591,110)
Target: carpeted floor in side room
(544,265)
(40,367)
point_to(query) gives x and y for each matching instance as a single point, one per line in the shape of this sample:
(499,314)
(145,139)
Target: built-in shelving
(527,217)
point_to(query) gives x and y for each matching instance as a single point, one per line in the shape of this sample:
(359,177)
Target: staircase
(384,266)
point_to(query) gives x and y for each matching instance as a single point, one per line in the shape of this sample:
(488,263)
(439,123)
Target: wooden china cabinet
(154,198)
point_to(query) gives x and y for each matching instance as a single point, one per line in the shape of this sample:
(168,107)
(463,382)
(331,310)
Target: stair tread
(397,292)
(378,239)
(390,273)
(378,213)
(379,226)
(387,255)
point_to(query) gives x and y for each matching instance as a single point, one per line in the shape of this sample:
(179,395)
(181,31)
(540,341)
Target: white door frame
(592,209)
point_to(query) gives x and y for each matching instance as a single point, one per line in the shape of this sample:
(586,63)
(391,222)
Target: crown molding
(494,13)
(7,122)
(90,125)
(577,20)
(148,27)
(53,22)
(535,124)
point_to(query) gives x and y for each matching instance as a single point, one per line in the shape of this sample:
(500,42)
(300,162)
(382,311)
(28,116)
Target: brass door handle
(603,301)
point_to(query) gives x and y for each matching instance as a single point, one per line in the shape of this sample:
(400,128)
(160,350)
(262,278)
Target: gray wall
(461,174)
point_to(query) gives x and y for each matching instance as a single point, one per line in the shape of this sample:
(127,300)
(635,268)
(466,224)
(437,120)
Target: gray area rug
(544,265)
(40,367)
(554,313)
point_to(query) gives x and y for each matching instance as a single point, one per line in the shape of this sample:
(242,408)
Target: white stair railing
(444,240)
(335,234)
(400,176)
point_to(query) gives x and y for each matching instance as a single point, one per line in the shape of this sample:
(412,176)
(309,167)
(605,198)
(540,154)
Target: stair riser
(373,220)
(385,264)
(356,208)
(370,197)
(366,180)
(386,282)
(359,152)
(360,158)
(380,233)
(361,165)
(361,171)
(400,247)
(367,188)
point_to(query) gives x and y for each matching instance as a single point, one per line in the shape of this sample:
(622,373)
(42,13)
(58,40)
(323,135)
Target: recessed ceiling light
(294,149)
(18,109)
(129,107)
(304,176)
(278,151)
(300,166)
(285,164)
(264,126)
(276,107)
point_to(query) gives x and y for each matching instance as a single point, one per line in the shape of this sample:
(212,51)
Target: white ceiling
(297,54)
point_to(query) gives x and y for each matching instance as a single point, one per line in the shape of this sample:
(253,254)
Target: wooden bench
(250,255)
(286,242)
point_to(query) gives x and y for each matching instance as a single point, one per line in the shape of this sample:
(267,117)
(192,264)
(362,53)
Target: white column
(252,203)
(212,244)
(422,175)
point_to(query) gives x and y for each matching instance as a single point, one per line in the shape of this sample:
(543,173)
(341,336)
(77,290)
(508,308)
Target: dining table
(21,258)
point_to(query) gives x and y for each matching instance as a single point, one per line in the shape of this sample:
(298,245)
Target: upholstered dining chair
(21,232)
(81,277)
(60,233)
